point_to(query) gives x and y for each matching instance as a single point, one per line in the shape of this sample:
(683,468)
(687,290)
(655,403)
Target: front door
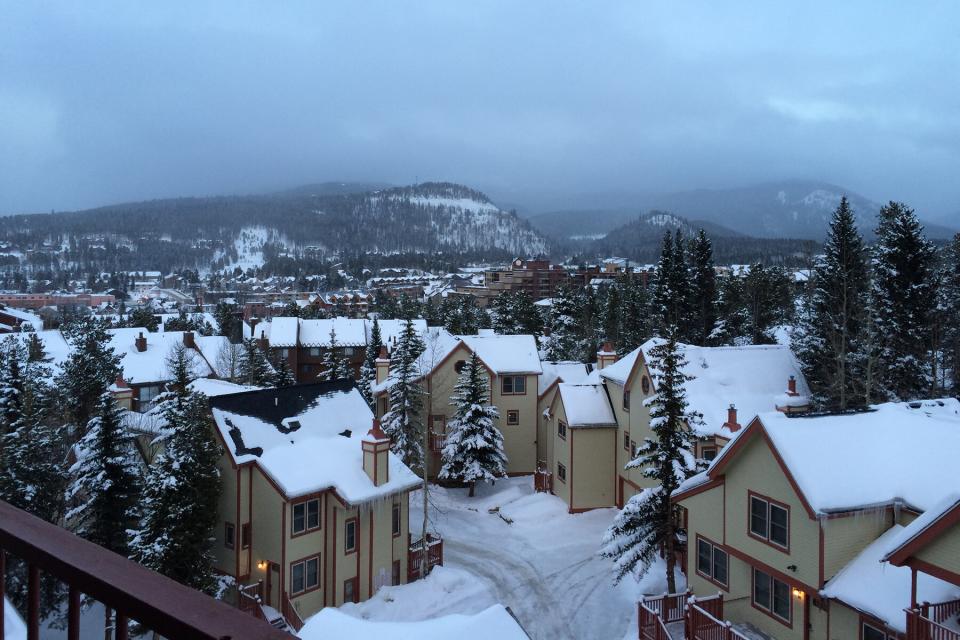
(271,591)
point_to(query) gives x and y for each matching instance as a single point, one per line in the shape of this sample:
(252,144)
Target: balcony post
(120,626)
(33,602)
(73,614)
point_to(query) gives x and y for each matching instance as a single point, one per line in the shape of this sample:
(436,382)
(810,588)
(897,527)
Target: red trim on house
(783,577)
(694,558)
(689,493)
(927,535)
(356,537)
(370,559)
(513,375)
(770,613)
(934,570)
(308,529)
(283,551)
(336,557)
(326,552)
(319,568)
(236,566)
(396,506)
(877,624)
(570,470)
(770,501)
(249,519)
(820,560)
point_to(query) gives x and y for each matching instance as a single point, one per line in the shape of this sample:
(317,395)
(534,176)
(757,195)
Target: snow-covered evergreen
(89,370)
(368,370)
(703,290)
(949,315)
(254,368)
(671,298)
(473,451)
(181,495)
(404,421)
(335,366)
(648,522)
(565,329)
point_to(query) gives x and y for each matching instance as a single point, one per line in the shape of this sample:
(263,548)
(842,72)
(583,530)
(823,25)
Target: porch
(683,616)
(934,621)
(434,551)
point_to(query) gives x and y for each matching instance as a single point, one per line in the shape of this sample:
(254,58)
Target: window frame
(772,589)
(711,576)
(513,385)
(229,535)
(626,400)
(314,352)
(355,523)
(562,472)
(354,587)
(875,625)
(561,429)
(294,532)
(513,417)
(770,504)
(396,519)
(246,535)
(626,440)
(307,588)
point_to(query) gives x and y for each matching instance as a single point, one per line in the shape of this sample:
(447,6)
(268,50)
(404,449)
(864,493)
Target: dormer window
(513,385)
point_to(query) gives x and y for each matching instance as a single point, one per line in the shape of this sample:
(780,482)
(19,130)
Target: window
(513,385)
(383,405)
(396,573)
(645,385)
(711,561)
(459,365)
(626,440)
(562,429)
(306,516)
(350,535)
(284,353)
(229,535)
(873,632)
(513,417)
(438,423)
(304,575)
(633,448)
(708,453)
(626,400)
(350,590)
(315,351)
(769,521)
(396,519)
(147,395)
(771,595)
(561,472)
(245,535)
(348,351)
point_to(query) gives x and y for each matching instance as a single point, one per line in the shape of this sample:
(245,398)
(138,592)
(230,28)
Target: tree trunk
(668,548)
(473,486)
(424,560)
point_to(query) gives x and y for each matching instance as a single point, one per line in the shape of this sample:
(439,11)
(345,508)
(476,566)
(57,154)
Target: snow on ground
(13,628)
(528,554)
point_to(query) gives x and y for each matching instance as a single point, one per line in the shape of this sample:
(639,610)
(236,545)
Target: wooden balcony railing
(702,625)
(652,626)
(135,593)
(920,627)
(672,607)
(437,441)
(292,615)
(415,555)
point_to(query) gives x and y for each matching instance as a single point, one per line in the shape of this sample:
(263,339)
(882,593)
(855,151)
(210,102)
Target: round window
(460,364)
(645,384)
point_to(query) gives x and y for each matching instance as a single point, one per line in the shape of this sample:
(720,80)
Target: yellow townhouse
(315,508)
(793,519)
(513,367)
(554,373)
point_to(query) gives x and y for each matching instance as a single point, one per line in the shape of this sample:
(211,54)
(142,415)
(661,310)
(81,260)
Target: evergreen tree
(949,314)
(648,522)
(612,314)
(565,331)
(474,447)
(143,317)
(254,368)
(228,321)
(368,370)
(403,422)
(671,299)
(181,495)
(335,367)
(105,481)
(36,350)
(904,301)
(283,375)
(636,319)
(88,371)
(828,339)
(703,291)
(768,298)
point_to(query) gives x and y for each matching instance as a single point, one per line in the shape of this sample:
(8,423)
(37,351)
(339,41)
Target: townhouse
(513,366)
(809,528)
(315,508)
(725,382)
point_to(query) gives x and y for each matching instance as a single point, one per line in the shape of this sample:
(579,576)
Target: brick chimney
(731,422)
(263,342)
(376,447)
(606,356)
(792,387)
(253,322)
(188,340)
(383,365)
(140,343)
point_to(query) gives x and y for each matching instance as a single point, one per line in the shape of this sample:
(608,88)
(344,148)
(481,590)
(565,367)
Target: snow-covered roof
(753,378)
(506,354)
(211,387)
(24,316)
(563,370)
(897,451)
(881,589)
(391,329)
(295,435)
(586,405)
(926,520)
(351,332)
(493,622)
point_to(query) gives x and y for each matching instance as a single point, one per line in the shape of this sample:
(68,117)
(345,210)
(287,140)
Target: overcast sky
(105,102)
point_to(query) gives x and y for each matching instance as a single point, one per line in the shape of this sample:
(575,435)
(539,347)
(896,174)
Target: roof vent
(346,433)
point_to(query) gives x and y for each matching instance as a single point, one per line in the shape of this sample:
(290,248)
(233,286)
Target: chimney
(122,393)
(383,365)
(792,387)
(263,342)
(731,422)
(606,356)
(376,449)
(140,343)
(253,322)
(188,340)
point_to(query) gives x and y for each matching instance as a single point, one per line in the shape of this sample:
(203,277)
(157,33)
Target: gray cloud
(101,102)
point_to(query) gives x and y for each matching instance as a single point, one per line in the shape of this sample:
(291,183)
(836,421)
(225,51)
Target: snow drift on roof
(881,589)
(918,526)
(493,622)
(506,354)
(565,370)
(586,405)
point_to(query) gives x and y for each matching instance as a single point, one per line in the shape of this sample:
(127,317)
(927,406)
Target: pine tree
(368,370)
(105,480)
(36,350)
(950,317)
(829,337)
(502,313)
(282,374)
(334,365)
(612,314)
(403,422)
(636,319)
(181,495)
(768,302)
(474,447)
(671,301)
(703,291)
(254,368)
(143,317)
(904,301)
(565,342)
(228,321)
(88,371)
(648,522)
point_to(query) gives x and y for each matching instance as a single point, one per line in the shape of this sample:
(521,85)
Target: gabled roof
(306,438)
(924,530)
(586,405)
(895,453)
(571,371)
(753,378)
(870,584)
(506,354)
